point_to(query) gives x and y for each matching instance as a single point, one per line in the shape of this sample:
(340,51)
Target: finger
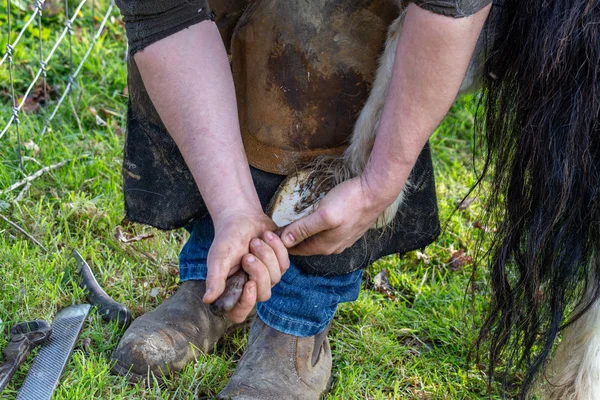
(312,246)
(247,302)
(267,256)
(280,250)
(306,227)
(218,265)
(258,273)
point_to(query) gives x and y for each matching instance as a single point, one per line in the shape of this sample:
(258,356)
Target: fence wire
(8,60)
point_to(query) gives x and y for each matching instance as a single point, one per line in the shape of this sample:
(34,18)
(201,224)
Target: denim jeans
(300,304)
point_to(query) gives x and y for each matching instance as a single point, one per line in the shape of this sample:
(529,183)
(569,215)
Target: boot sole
(133,377)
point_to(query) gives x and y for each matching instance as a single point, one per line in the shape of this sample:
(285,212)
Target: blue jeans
(300,304)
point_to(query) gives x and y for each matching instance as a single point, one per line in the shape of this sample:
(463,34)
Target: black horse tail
(541,123)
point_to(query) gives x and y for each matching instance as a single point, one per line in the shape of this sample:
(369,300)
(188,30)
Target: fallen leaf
(78,32)
(99,120)
(154,292)
(119,131)
(86,343)
(381,283)
(30,145)
(459,259)
(123,239)
(52,8)
(465,203)
(107,112)
(38,98)
(479,225)
(85,209)
(423,257)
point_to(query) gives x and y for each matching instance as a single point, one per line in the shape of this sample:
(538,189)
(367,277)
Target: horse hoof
(295,198)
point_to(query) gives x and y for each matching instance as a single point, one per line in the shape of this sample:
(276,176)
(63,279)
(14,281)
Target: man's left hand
(341,218)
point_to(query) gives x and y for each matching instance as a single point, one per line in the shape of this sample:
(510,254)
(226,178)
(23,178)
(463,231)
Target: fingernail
(269,236)
(256,243)
(290,238)
(251,259)
(208,291)
(252,289)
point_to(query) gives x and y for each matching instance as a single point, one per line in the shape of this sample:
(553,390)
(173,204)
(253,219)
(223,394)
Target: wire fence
(39,36)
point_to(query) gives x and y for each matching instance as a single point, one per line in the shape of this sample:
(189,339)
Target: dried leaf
(78,32)
(423,257)
(154,292)
(86,343)
(30,105)
(119,131)
(123,239)
(52,8)
(465,203)
(108,112)
(38,98)
(479,225)
(85,209)
(99,120)
(30,145)
(458,260)
(381,283)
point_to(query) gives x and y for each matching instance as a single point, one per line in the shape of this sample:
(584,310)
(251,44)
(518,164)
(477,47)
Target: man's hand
(245,240)
(342,217)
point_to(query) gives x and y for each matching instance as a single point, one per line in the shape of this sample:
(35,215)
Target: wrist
(225,212)
(382,189)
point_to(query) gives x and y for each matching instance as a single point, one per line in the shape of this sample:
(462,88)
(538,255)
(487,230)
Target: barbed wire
(38,11)
(43,63)
(79,67)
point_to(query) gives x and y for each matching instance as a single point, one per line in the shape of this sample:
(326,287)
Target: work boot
(165,340)
(277,366)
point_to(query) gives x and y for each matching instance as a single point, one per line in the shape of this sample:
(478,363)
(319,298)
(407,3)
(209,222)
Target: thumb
(304,228)
(218,271)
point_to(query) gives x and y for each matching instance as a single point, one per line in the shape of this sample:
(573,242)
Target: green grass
(415,347)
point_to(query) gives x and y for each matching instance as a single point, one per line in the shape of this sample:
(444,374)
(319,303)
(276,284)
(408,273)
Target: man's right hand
(245,240)
(206,129)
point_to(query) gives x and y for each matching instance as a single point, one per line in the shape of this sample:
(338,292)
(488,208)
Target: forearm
(188,78)
(431,60)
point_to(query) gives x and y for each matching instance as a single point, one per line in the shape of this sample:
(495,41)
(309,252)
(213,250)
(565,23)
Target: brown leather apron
(302,71)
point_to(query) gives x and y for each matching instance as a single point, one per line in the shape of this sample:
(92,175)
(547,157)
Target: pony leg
(365,130)
(574,372)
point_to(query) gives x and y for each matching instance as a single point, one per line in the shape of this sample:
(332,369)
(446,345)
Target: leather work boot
(277,366)
(164,340)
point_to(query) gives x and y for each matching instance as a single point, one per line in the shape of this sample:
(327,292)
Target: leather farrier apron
(302,71)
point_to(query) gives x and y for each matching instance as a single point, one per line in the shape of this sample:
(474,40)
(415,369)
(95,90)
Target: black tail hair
(541,123)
